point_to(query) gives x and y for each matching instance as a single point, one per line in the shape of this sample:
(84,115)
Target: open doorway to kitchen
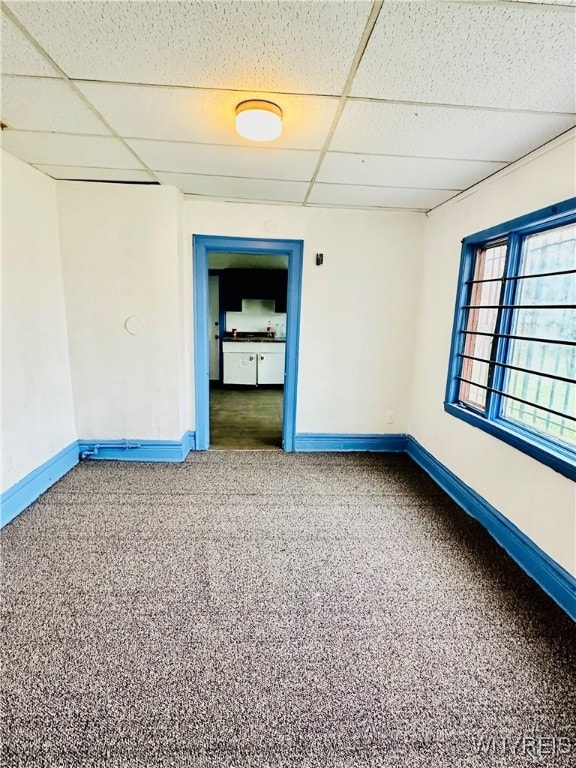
(247,339)
(247,317)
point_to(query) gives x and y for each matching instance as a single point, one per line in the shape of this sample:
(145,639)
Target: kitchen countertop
(267,339)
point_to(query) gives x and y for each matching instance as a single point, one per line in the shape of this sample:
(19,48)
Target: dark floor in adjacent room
(246,417)
(255,609)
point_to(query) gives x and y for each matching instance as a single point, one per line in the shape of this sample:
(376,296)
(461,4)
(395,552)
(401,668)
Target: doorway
(205,247)
(247,295)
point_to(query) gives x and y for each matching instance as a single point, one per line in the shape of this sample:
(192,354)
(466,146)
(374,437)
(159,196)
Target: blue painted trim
(545,450)
(463,293)
(551,216)
(138,450)
(316,441)
(497,374)
(27,490)
(551,577)
(202,246)
(201,345)
(294,294)
(189,441)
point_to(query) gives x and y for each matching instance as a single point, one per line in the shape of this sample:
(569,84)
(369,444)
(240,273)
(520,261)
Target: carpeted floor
(251,609)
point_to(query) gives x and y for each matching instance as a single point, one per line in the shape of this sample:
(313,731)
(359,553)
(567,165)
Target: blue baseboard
(551,577)
(554,580)
(189,442)
(316,441)
(138,450)
(19,496)
(27,490)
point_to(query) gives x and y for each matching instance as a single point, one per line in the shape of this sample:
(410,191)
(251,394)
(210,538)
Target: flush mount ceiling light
(259,120)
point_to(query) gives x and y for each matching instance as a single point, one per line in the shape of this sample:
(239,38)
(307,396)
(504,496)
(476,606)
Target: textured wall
(537,499)
(120,252)
(358,308)
(37,407)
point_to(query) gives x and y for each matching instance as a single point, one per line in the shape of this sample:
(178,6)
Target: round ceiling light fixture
(258,120)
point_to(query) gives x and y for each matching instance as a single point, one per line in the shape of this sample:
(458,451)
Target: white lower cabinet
(271,366)
(240,368)
(253,362)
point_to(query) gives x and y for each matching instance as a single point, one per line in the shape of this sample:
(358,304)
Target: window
(513,357)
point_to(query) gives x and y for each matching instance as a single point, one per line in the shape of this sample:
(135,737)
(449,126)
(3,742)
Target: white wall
(541,502)
(37,406)
(256,316)
(122,257)
(358,308)
(185,324)
(367,333)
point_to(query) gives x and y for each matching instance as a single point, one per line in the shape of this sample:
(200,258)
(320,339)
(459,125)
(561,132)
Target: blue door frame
(202,247)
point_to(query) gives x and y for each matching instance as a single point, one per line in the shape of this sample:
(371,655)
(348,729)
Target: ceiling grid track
(367,34)
(387,105)
(14,19)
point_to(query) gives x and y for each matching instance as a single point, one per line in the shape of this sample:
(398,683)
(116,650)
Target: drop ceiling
(387,105)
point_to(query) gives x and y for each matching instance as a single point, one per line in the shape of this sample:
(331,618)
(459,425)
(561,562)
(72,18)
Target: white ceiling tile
(250,189)
(64,172)
(449,132)
(64,149)
(377,197)
(206,116)
(17,54)
(282,164)
(46,104)
(480,55)
(292,47)
(489,55)
(382,171)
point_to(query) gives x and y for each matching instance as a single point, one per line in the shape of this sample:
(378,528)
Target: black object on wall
(268,284)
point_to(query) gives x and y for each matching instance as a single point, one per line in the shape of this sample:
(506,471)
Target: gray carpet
(262,610)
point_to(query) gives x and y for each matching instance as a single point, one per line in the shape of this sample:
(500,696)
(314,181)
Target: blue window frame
(512,368)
